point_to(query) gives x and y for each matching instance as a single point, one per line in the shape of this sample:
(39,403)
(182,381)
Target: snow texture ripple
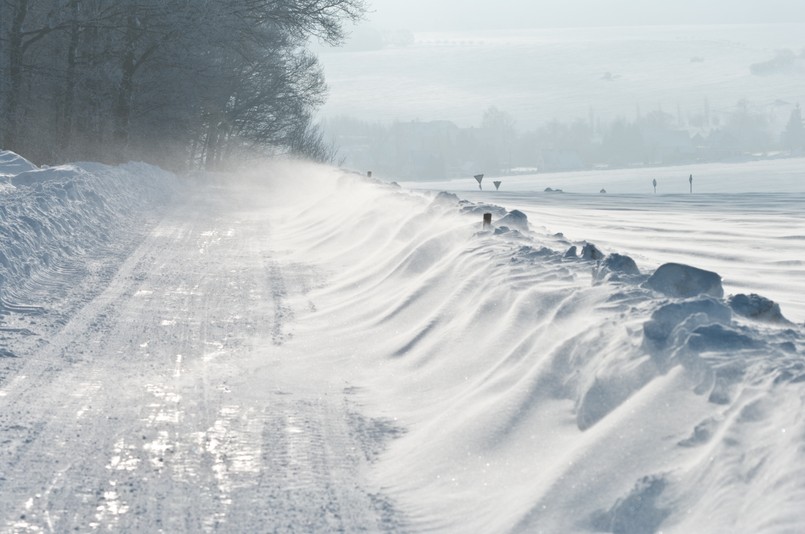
(298,348)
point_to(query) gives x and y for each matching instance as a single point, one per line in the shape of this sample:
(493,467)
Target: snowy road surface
(170,401)
(304,350)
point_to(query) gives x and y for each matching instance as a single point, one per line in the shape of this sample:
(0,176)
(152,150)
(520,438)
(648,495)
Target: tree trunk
(70,78)
(122,109)
(15,54)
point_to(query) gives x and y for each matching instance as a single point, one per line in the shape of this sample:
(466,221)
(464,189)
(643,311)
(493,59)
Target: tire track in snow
(282,312)
(310,453)
(155,407)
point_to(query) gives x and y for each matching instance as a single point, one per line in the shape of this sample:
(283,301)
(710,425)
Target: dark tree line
(419,150)
(177,82)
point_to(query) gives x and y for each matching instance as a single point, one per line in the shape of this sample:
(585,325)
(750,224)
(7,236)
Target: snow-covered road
(301,349)
(170,401)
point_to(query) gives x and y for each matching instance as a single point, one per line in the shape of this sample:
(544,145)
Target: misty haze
(402,266)
(448,103)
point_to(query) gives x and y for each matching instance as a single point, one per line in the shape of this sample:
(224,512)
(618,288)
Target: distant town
(434,150)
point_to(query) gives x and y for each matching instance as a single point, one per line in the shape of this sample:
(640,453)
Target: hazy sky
(425,15)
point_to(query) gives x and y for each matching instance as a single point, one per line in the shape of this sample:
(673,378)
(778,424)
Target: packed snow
(300,348)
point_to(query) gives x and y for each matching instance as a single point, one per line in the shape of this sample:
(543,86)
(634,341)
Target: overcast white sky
(427,15)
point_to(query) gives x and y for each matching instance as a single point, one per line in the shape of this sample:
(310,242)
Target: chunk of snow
(514,219)
(666,319)
(684,281)
(757,307)
(621,264)
(591,253)
(12,164)
(443,198)
(640,511)
(37,176)
(719,337)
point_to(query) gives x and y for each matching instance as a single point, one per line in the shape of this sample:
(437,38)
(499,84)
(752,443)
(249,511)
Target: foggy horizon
(514,87)
(455,15)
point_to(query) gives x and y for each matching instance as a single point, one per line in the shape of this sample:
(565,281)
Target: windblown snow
(303,349)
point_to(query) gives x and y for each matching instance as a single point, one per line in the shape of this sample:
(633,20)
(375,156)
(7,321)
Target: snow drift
(526,386)
(545,390)
(53,218)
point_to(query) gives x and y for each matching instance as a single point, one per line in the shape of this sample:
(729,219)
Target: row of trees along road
(176,82)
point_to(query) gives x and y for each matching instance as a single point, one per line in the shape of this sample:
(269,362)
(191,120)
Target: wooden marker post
(487,221)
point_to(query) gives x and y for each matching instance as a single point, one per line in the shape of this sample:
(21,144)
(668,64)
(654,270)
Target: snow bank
(527,388)
(550,391)
(12,164)
(53,219)
(754,241)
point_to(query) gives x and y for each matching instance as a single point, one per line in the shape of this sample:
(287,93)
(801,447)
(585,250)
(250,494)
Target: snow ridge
(53,218)
(552,391)
(528,387)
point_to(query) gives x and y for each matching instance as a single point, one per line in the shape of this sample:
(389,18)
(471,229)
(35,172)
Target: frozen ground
(301,350)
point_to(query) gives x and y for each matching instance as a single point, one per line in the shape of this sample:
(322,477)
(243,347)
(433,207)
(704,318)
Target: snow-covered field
(298,349)
(745,221)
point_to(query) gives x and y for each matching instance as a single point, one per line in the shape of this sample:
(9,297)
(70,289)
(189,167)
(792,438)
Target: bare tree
(182,81)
